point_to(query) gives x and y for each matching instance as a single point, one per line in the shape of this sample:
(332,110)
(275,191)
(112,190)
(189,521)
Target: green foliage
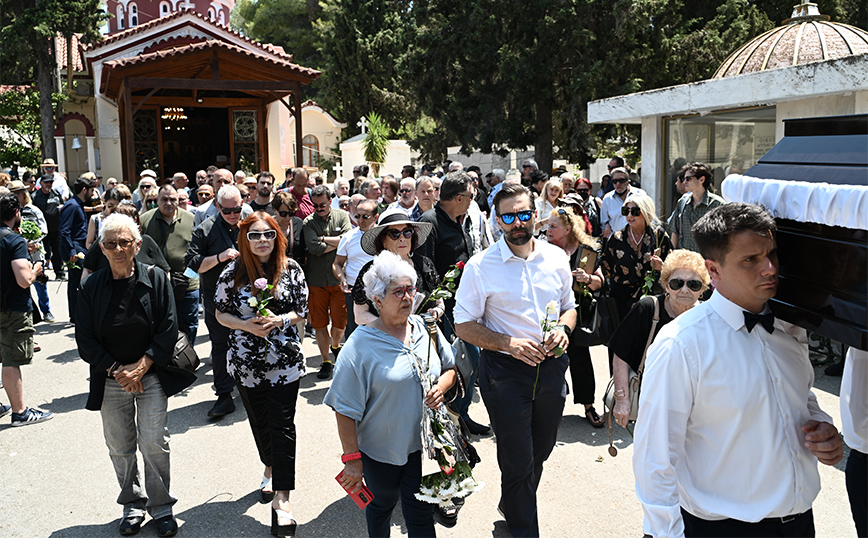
(376,142)
(19,114)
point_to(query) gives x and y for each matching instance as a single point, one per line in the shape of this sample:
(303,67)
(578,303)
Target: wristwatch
(565,328)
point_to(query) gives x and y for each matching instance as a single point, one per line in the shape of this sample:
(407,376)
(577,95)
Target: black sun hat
(388,218)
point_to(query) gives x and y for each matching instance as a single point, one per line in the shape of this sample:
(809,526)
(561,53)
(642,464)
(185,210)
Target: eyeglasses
(405,191)
(635,211)
(509,218)
(123,243)
(609,166)
(284,214)
(400,293)
(583,191)
(168,200)
(563,211)
(676,284)
(619,180)
(367,217)
(680,180)
(204,194)
(688,178)
(230,210)
(267,235)
(396,234)
(321,206)
(343,204)
(145,187)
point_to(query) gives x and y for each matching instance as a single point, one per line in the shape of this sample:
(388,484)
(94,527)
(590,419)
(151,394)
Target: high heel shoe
(265,497)
(282,523)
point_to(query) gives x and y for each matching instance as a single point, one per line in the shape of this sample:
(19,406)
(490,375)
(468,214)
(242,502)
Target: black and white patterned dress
(277,359)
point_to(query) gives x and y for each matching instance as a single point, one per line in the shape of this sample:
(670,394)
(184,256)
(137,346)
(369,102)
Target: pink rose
(260,284)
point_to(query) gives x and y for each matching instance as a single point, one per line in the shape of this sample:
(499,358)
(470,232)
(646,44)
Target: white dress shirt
(610,210)
(719,426)
(509,294)
(397,205)
(351,247)
(854,400)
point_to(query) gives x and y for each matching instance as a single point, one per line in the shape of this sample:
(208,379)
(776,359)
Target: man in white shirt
(504,294)
(342,188)
(729,433)
(407,197)
(611,218)
(350,257)
(854,427)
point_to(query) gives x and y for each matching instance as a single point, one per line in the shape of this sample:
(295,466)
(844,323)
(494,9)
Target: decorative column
(60,142)
(91,155)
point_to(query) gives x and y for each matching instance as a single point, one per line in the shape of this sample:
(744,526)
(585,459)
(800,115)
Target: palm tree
(376,143)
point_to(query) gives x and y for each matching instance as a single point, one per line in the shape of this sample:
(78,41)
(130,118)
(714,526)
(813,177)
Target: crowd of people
(511,265)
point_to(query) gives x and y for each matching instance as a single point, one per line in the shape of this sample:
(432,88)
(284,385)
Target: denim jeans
(127,420)
(187,305)
(42,293)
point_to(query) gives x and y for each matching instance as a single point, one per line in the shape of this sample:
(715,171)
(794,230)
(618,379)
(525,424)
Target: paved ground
(56,479)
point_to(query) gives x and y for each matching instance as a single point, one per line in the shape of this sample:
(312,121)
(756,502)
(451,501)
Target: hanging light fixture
(174,113)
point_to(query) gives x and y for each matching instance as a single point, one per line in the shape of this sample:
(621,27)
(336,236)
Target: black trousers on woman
(582,374)
(271,412)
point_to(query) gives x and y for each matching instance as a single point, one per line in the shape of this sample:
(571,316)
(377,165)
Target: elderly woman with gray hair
(377,398)
(126,330)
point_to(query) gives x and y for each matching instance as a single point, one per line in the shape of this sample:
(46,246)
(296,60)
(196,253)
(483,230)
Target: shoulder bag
(183,355)
(634,384)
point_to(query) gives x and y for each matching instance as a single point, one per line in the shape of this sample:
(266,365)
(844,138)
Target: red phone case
(362,498)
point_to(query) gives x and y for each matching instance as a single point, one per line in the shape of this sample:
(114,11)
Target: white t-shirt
(351,247)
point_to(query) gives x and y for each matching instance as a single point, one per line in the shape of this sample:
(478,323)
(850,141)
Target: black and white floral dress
(277,359)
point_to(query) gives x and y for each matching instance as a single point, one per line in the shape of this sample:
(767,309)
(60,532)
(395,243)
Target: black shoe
(835,370)
(131,525)
(223,406)
(446,515)
(335,351)
(475,428)
(166,526)
(325,371)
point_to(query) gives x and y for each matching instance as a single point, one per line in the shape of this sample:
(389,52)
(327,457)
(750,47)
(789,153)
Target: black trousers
(798,526)
(582,374)
(388,483)
(51,242)
(271,412)
(525,413)
(72,286)
(857,490)
(219,336)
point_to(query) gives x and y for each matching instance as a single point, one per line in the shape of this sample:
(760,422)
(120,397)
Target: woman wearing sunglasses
(634,253)
(284,206)
(684,278)
(399,235)
(261,295)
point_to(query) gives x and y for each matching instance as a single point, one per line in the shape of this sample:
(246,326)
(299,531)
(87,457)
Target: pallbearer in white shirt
(504,294)
(729,432)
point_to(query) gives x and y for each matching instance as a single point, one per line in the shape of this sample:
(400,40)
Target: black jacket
(93,302)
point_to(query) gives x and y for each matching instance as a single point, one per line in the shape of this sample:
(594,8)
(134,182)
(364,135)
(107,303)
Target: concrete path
(56,478)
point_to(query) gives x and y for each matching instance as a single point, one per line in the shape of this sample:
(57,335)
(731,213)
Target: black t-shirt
(125,330)
(15,298)
(48,204)
(149,254)
(260,207)
(629,339)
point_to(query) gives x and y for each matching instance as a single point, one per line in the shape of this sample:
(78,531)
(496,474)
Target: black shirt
(125,330)
(448,243)
(212,237)
(48,204)
(629,339)
(15,298)
(261,207)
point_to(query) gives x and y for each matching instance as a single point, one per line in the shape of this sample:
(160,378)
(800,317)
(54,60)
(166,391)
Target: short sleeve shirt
(13,247)
(629,339)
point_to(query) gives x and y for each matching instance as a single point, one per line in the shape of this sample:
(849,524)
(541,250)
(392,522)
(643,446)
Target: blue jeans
(388,483)
(187,305)
(42,293)
(127,420)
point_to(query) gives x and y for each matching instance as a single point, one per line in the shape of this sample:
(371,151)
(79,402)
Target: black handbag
(183,355)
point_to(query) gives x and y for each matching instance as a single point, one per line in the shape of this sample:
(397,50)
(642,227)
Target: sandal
(595,419)
(446,515)
(282,523)
(265,497)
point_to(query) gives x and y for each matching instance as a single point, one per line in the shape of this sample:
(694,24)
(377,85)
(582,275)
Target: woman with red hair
(261,295)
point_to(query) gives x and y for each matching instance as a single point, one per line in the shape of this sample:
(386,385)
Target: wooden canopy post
(296,101)
(129,153)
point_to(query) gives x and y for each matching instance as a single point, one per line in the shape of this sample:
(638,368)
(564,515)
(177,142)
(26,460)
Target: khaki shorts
(16,338)
(325,300)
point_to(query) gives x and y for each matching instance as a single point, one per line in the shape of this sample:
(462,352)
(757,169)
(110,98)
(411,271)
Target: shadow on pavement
(106,529)
(221,518)
(182,419)
(66,404)
(343,518)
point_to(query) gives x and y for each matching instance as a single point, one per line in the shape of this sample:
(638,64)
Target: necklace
(633,237)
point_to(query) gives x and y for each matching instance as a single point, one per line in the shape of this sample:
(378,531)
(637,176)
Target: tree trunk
(70,70)
(46,112)
(543,143)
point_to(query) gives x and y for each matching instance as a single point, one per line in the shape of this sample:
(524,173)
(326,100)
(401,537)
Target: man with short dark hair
(17,273)
(50,202)
(172,229)
(611,218)
(538,180)
(699,182)
(73,236)
(528,166)
(264,193)
(506,294)
(729,431)
(370,189)
(408,171)
(322,235)
(213,245)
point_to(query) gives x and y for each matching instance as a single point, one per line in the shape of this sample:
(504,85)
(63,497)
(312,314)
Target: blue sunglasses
(509,218)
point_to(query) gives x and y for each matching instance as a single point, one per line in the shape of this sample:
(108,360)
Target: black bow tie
(766,320)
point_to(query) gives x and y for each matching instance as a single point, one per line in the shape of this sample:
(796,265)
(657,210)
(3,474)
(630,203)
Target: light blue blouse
(376,385)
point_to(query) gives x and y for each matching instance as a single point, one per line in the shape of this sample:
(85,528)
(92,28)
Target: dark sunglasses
(396,234)
(509,218)
(284,214)
(676,284)
(123,243)
(405,191)
(583,191)
(321,206)
(204,194)
(635,211)
(267,235)
(343,204)
(619,180)
(230,210)
(367,217)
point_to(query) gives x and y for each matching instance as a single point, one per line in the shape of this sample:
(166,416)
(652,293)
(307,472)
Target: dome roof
(806,37)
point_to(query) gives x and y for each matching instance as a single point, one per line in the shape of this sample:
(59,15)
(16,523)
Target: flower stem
(533,397)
